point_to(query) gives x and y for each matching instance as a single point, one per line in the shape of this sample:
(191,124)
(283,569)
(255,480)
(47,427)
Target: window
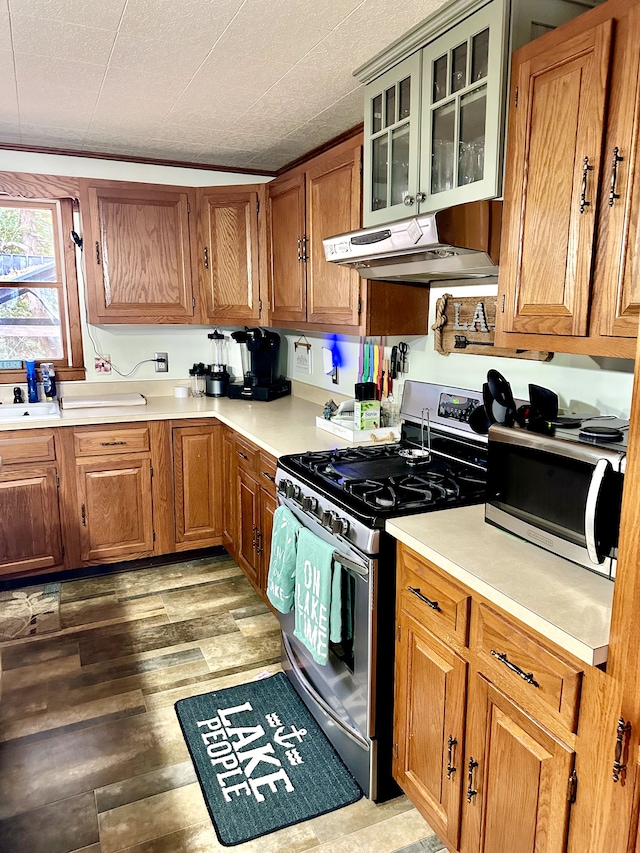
(39,315)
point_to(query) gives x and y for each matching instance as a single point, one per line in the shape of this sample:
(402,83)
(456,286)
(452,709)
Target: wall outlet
(102,364)
(162,366)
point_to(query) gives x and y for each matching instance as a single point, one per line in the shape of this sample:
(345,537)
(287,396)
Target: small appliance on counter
(198,375)
(217,377)
(260,353)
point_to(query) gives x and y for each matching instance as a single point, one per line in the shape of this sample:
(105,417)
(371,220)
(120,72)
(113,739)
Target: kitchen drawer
(432,598)
(536,676)
(247,454)
(267,470)
(104,442)
(27,446)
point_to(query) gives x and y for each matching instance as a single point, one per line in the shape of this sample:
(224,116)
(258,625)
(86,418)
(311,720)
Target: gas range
(352,491)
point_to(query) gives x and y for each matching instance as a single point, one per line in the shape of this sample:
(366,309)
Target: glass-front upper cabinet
(435,105)
(391,130)
(462,111)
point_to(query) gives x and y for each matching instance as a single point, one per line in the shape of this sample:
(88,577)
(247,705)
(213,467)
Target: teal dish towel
(282,563)
(317,596)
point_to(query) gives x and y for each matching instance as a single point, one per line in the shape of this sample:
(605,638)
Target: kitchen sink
(17,411)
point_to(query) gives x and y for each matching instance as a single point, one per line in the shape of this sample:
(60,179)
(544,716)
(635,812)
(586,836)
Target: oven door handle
(590,509)
(317,698)
(348,563)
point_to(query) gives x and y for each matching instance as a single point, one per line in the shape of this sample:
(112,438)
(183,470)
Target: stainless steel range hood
(459,242)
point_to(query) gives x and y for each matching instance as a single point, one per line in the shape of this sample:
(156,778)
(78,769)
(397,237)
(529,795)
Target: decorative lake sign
(468,324)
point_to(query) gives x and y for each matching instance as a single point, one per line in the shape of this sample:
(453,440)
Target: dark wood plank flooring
(92,758)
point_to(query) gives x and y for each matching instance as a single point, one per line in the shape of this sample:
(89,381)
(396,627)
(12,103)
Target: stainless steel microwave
(557,492)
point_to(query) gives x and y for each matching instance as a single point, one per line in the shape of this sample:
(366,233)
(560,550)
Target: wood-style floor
(91,754)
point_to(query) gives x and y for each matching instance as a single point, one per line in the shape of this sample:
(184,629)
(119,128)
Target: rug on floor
(262,761)
(28,611)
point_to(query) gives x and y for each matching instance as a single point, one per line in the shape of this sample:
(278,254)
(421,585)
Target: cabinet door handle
(613,195)
(432,604)
(408,200)
(421,197)
(111,443)
(525,676)
(259,547)
(97,252)
(206,257)
(623,729)
(241,454)
(305,256)
(586,168)
(450,744)
(471,791)
(300,250)
(84,516)
(254,540)
(268,476)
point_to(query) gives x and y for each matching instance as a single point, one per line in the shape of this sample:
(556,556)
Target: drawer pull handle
(586,168)
(613,195)
(471,791)
(111,443)
(268,477)
(432,604)
(622,730)
(526,676)
(450,744)
(241,454)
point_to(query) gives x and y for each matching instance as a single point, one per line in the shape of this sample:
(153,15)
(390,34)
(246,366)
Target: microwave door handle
(590,509)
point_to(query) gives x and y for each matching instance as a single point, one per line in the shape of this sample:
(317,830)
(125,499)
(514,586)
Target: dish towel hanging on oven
(282,563)
(317,599)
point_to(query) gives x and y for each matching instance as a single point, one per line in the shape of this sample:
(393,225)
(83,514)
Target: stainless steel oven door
(340,694)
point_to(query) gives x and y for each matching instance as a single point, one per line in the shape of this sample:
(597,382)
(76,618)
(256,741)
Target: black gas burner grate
(405,492)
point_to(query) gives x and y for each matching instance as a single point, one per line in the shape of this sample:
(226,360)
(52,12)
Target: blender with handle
(217,375)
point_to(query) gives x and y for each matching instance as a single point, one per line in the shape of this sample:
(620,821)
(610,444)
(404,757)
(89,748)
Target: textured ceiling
(240,83)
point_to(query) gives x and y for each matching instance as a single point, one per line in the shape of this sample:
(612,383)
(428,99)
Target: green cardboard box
(366,414)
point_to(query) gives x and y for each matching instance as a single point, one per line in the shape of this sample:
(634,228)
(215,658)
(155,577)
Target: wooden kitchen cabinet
(114,492)
(430,702)
(197,478)
(484,748)
(30,522)
(227,254)
(255,503)
(316,200)
(566,280)
(137,252)
(517,778)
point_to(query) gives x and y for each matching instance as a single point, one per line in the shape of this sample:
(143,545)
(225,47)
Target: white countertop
(287,425)
(567,604)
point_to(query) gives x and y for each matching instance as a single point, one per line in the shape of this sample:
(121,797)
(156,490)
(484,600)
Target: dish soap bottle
(32,382)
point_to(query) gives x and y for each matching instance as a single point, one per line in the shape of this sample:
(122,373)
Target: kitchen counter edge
(568,605)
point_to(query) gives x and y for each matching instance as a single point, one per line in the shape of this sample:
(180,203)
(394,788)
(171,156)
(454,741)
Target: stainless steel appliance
(457,243)
(562,492)
(217,375)
(260,354)
(345,496)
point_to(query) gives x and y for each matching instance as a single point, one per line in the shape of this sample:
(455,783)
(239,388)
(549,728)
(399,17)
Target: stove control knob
(297,494)
(326,518)
(289,489)
(307,503)
(282,486)
(339,526)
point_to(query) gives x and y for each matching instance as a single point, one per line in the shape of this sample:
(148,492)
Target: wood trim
(131,158)
(335,147)
(41,187)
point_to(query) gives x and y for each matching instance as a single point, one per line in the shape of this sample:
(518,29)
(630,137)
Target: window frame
(61,198)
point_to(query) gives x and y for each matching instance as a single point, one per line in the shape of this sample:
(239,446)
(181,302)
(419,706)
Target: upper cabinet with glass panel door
(435,105)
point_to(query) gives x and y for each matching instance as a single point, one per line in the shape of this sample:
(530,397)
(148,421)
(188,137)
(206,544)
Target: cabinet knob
(421,198)
(408,200)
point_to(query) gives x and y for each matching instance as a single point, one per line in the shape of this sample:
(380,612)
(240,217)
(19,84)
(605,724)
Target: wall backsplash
(580,381)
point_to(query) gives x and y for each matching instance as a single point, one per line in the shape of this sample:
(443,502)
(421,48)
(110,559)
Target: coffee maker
(260,352)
